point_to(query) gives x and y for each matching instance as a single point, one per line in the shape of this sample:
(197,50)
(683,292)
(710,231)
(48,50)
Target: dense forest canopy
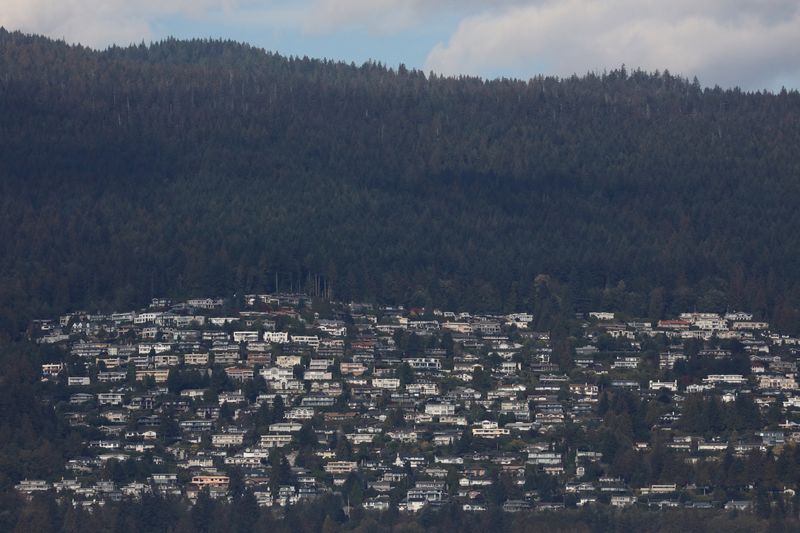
(202,167)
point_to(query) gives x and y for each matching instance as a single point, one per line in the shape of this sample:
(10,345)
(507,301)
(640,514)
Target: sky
(752,44)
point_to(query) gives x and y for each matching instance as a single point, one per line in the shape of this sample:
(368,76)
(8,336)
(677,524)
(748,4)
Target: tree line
(198,167)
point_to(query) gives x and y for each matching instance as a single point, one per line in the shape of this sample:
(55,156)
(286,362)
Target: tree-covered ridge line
(198,167)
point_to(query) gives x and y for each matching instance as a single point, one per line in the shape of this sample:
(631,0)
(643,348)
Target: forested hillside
(203,167)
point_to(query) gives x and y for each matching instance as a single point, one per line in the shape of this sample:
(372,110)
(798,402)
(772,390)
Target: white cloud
(749,43)
(389,15)
(100,22)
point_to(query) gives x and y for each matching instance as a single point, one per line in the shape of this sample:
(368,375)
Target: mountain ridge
(199,167)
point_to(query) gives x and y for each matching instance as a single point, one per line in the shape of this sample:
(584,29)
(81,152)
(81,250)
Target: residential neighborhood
(290,397)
